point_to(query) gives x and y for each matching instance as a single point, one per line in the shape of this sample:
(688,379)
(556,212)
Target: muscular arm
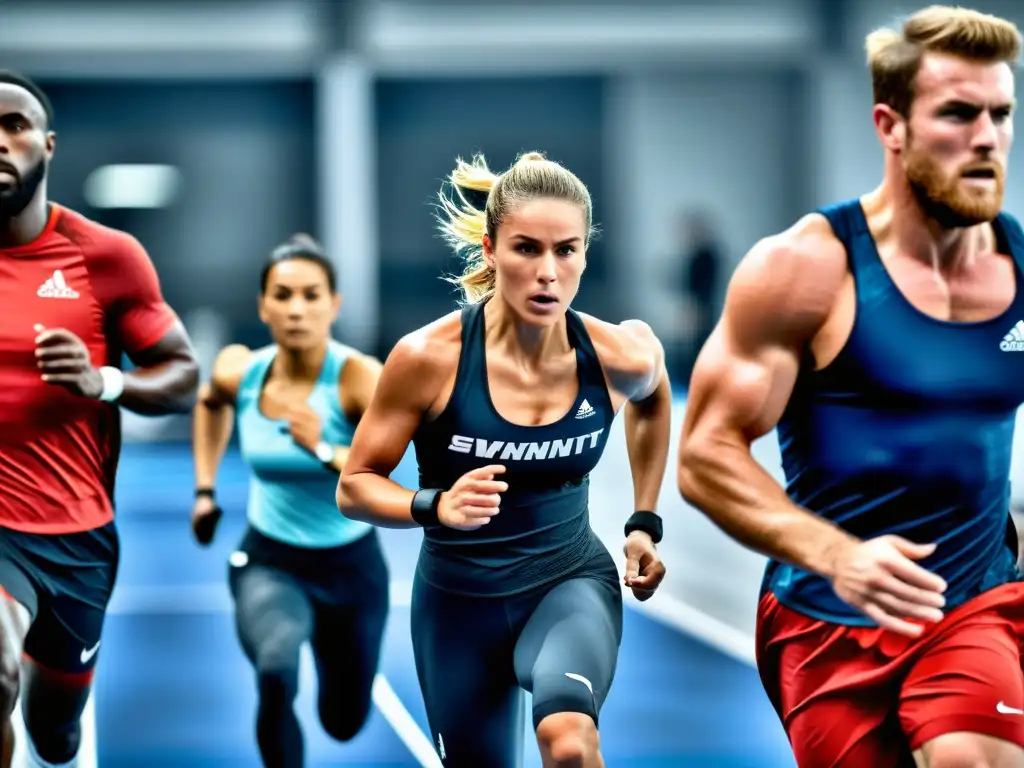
(778,299)
(126,284)
(409,384)
(165,377)
(359,380)
(214,414)
(637,369)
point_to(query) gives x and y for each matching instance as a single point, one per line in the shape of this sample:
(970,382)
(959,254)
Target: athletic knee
(559,693)
(277,659)
(53,743)
(344,713)
(343,726)
(569,739)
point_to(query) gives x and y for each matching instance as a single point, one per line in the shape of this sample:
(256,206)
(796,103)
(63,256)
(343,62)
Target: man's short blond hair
(894,56)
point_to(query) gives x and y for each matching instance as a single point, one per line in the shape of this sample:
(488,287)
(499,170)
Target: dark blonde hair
(894,57)
(464,218)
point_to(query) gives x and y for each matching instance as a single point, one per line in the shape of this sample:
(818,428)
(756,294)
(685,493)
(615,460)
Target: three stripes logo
(56,287)
(1014,340)
(585,410)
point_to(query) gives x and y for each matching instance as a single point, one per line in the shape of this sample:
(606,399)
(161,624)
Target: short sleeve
(126,283)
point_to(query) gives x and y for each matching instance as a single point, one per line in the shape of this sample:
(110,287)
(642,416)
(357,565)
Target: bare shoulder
(358,382)
(360,365)
(630,353)
(622,346)
(228,369)
(423,360)
(434,346)
(788,282)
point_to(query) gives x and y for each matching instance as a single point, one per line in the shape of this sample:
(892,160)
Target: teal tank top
(291,495)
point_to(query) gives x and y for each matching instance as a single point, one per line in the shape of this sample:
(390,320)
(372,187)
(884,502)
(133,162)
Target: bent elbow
(343,493)
(190,388)
(184,394)
(690,475)
(344,497)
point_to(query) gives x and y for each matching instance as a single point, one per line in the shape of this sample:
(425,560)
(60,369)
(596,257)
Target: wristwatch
(324,452)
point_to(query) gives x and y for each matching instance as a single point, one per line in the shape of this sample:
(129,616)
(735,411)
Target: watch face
(324,452)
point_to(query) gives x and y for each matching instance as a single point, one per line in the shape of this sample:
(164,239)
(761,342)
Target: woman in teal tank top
(303,572)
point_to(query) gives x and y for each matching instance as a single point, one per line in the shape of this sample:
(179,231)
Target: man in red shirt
(75,296)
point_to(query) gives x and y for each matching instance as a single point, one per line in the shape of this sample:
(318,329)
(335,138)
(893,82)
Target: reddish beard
(945,199)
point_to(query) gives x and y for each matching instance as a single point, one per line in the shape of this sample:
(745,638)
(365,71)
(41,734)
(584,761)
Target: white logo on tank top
(1014,340)
(534,451)
(585,410)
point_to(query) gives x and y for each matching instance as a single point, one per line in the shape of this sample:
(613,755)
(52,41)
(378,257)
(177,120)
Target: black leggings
(335,599)
(476,655)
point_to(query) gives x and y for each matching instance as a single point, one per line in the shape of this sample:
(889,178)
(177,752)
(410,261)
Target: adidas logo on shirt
(1014,340)
(585,410)
(57,288)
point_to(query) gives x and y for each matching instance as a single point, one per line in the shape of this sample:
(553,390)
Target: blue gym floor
(173,688)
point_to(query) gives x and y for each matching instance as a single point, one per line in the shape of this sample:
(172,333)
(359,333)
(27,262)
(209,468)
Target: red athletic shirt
(59,451)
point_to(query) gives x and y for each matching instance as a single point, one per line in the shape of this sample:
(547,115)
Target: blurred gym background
(212,130)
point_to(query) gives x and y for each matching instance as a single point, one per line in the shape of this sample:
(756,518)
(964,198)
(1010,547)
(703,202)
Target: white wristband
(113,383)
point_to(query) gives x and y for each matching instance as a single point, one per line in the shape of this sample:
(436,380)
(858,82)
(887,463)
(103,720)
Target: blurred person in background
(302,572)
(509,403)
(884,336)
(76,296)
(703,267)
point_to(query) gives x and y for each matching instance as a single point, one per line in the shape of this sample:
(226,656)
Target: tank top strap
(470,378)
(580,340)
(1011,239)
(334,363)
(256,372)
(592,376)
(851,228)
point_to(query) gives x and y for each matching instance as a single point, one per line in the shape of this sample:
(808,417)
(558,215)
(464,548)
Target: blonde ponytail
(463,225)
(464,222)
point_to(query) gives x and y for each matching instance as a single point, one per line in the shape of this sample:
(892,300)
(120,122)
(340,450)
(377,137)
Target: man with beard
(884,337)
(74,295)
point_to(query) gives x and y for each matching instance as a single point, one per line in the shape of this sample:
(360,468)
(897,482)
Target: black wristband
(425,504)
(648,522)
(204,491)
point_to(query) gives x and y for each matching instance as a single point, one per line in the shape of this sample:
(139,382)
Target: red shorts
(862,696)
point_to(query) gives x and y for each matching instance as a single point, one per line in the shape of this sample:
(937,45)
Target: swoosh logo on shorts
(88,653)
(582,679)
(1003,709)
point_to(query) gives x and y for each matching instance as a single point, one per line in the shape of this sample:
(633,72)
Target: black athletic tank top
(542,532)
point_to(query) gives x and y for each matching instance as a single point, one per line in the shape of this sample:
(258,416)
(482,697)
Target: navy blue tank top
(908,431)
(542,532)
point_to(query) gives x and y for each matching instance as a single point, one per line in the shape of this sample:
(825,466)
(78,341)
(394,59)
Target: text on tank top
(543,528)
